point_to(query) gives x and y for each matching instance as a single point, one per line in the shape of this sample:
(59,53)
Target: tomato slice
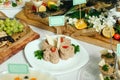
(65,46)
(53,49)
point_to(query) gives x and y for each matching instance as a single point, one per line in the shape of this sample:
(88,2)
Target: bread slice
(21,39)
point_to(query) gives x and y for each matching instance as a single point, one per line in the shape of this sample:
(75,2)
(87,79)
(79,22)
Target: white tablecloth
(19,58)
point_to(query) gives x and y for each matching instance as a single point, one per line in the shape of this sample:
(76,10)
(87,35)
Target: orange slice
(80,24)
(108,32)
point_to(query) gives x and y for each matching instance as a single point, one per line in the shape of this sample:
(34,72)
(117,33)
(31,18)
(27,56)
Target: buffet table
(94,53)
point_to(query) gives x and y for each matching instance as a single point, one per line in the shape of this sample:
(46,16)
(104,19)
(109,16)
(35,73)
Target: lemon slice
(51,3)
(108,32)
(80,24)
(42,8)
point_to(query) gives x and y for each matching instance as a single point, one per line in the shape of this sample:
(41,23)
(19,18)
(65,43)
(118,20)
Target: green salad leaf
(107,78)
(14,4)
(77,48)
(105,68)
(117,28)
(39,54)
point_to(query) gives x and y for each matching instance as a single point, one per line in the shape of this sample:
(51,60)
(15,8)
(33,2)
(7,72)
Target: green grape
(21,26)
(4,28)
(7,20)
(11,26)
(1,21)
(10,33)
(1,29)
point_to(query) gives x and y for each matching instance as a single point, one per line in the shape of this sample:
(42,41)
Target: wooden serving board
(97,39)
(8,51)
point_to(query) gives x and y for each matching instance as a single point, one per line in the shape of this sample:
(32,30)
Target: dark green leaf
(77,48)
(14,4)
(105,68)
(76,14)
(117,28)
(94,12)
(107,78)
(39,54)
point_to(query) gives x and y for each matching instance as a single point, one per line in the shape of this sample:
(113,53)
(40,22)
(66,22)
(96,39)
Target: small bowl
(32,74)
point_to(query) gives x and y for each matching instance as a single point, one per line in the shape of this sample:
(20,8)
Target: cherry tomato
(65,46)
(53,49)
(34,8)
(117,36)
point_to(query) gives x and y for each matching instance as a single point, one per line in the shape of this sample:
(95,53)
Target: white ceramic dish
(90,71)
(32,74)
(2,7)
(64,66)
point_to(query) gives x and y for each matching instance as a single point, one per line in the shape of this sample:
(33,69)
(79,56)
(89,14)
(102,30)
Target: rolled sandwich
(66,49)
(51,54)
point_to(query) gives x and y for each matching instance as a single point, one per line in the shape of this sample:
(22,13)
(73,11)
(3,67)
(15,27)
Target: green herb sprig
(77,48)
(39,54)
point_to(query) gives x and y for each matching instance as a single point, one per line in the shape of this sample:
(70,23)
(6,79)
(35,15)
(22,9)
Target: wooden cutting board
(98,39)
(8,51)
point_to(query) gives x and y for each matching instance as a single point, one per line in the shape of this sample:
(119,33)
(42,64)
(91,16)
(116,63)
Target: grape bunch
(11,26)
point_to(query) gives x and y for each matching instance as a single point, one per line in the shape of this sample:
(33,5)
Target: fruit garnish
(42,8)
(11,26)
(53,49)
(52,5)
(108,32)
(17,78)
(33,79)
(117,36)
(80,24)
(34,8)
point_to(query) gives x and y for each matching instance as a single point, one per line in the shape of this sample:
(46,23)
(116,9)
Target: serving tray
(13,48)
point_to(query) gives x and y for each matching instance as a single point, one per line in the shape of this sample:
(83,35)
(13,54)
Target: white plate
(63,66)
(2,7)
(32,73)
(90,71)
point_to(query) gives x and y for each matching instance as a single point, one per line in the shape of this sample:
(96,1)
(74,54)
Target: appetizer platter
(51,55)
(109,66)
(14,35)
(89,23)
(11,4)
(32,75)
